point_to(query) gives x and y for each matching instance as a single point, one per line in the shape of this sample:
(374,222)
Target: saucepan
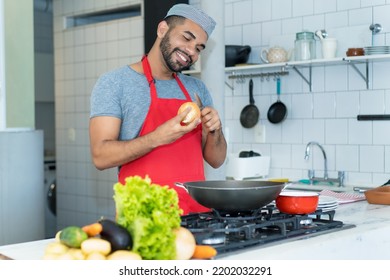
(233,195)
(297,202)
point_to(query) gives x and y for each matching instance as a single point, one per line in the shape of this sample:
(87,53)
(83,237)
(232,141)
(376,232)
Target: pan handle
(181,185)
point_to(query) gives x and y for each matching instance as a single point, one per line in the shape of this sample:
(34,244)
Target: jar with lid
(305,46)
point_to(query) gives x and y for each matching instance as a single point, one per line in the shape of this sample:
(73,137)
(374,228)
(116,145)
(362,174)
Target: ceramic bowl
(379,195)
(355,52)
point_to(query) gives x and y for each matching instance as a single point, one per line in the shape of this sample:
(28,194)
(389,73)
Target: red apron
(181,161)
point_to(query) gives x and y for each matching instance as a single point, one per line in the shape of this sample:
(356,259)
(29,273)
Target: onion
(185,243)
(192,115)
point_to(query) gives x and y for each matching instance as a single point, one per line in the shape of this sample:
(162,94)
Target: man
(134,122)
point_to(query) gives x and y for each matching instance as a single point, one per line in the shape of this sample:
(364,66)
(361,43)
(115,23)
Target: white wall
(327,115)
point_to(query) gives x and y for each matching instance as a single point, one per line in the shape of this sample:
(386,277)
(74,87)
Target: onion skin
(185,243)
(192,115)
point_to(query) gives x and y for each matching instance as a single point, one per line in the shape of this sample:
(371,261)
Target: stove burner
(228,231)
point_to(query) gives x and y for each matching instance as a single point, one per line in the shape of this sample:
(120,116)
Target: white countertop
(369,239)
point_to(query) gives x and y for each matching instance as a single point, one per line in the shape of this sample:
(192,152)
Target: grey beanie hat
(194,14)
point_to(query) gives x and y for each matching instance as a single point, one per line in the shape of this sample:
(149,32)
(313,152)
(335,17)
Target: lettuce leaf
(150,212)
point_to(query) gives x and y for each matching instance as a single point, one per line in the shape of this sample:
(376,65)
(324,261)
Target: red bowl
(297,202)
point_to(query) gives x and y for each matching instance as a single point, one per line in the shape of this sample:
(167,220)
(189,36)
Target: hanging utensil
(278,111)
(250,114)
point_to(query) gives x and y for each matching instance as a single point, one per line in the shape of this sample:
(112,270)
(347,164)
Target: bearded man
(134,120)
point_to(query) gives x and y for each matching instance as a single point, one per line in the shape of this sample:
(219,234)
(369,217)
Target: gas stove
(230,232)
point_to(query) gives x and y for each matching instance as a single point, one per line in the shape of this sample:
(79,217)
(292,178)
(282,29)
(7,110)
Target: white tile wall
(327,115)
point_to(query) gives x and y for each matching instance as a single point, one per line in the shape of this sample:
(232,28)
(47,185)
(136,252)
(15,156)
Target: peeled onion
(185,243)
(192,115)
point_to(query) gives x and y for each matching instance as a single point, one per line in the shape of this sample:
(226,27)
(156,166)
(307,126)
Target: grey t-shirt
(124,93)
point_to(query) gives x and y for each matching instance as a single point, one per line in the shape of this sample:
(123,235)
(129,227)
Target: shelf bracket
(308,81)
(365,78)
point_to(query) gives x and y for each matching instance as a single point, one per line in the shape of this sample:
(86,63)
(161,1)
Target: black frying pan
(232,195)
(250,114)
(278,111)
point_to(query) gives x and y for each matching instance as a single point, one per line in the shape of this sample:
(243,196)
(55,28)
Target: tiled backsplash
(327,114)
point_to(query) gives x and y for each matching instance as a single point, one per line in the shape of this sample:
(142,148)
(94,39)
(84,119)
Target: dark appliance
(231,232)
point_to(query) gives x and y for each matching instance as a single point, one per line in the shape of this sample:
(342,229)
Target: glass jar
(305,46)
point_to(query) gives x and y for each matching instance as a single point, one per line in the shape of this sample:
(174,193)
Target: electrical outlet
(260,134)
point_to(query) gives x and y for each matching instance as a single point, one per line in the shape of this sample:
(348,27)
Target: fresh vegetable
(192,115)
(185,243)
(76,254)
(116,234)
(149,212)
(56,248)
(93,229)
(96,256)
(57,236)
(73,236)
(94,244)
(124,255)
(204,252)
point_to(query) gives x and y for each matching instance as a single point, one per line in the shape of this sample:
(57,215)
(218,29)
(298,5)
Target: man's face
(181,45)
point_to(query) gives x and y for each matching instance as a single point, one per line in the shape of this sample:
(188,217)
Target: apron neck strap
(151,81)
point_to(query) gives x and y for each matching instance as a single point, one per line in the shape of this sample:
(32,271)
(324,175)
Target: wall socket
(260,134)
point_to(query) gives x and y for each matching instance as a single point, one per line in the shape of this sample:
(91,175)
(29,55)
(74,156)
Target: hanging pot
(250,114)
(278,111)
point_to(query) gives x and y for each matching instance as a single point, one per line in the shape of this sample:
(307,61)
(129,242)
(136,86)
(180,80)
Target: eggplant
(117,235)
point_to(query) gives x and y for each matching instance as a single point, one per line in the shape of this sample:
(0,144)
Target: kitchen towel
(343,197)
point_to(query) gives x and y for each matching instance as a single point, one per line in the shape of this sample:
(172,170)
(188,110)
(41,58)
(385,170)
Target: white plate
(326,200)
(326,209)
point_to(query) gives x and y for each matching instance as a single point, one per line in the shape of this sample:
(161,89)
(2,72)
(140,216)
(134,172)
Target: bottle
(305,46)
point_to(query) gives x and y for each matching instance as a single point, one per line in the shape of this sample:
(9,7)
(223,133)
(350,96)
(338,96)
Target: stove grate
(229,232)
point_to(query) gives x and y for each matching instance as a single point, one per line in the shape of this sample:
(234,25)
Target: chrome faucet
(307,154)
(312,178)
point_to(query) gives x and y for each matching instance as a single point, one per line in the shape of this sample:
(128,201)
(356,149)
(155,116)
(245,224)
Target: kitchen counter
(367,239)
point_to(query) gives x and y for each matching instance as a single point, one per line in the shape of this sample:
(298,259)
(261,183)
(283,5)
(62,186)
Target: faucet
(341,174)
(307,154)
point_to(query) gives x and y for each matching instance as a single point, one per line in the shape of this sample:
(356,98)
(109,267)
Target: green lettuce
(150,212)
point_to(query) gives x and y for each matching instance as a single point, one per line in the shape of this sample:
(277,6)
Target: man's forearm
(215,148)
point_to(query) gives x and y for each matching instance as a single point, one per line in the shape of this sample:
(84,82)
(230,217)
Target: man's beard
(165,47)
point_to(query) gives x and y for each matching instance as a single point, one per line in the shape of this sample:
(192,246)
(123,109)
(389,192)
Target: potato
(50,256)
(56,248)
(95,256)
(95,244)
(77,254)
(124,255)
